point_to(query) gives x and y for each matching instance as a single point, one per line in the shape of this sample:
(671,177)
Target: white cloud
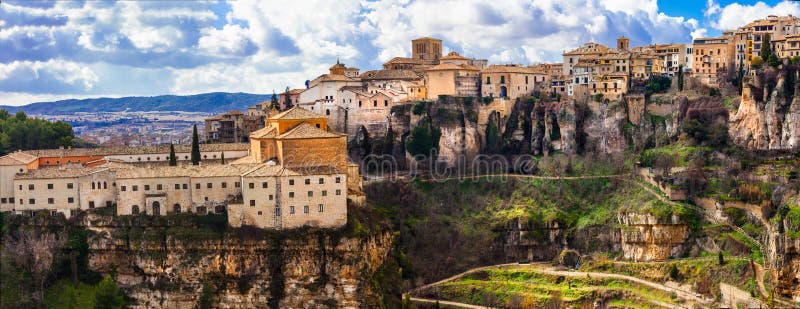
(90,48)
(735,15)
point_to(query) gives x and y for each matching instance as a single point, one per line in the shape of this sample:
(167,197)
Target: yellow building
(452,79)
(712,58)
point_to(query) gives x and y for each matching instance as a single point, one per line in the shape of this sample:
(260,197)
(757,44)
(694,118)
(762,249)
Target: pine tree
(173,160)
(222,158)
(108,295)
(195,147)
(287,100)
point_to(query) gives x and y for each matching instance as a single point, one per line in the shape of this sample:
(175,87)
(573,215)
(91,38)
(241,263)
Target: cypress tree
(287,100)
(680,78)
(766,48)
(195,147)
(222,158)
(173,161)
(274,103)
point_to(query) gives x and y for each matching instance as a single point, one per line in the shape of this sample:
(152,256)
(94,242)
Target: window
(324,192)
(70,200)
(147,187)
(51,200)
(291,210)
(197,186)
(270,197)
(308,181)
(277,211)
(30,187)
(338,179)
(320,207)
(489,79)
(359,103)
(105,185)
(20,187)
(385,102)
(291,182)
(185,186)
(237,184)
(224,185)
(252,202)
(69,185)
(122,188)
(259,213)
(159,187)
(264,185)
(374,103)
(338,192)
(11,200)
(310,193)
(321,180)
(502,79)
(328,111)
(209,185)
(305,209)
(135,188)
(91,204)
(31,201)
(135,209)
(108,203)
(3,200)
(177,186)
(291,194)
(50,186)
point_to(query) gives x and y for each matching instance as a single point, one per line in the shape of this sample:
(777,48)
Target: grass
(501,286)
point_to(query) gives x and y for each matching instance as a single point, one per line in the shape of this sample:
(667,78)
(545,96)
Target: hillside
(214,102)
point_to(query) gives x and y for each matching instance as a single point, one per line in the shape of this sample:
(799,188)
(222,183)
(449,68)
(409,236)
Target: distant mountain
(215,102)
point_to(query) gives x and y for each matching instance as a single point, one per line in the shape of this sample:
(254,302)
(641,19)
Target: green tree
(773,61)
(195,147)
(680,78)
(108,295)
(766,48)
(222,158)
(19,132)
(287,100)
(173,160)
(720,258)
(274,103)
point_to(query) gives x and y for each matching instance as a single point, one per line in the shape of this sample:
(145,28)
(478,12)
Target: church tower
(623,43)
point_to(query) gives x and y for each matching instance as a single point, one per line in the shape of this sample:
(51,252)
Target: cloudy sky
(63,49)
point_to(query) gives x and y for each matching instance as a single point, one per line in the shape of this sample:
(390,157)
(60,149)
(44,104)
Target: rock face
(173,266)
(769,114)
(645,238)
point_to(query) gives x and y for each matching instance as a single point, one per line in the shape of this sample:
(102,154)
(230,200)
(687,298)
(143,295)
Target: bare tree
(34,252)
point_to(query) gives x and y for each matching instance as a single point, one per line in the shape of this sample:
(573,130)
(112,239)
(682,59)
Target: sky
(82,49)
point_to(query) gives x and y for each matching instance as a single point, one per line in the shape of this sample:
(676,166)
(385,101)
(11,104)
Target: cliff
(172,264)
(768,117)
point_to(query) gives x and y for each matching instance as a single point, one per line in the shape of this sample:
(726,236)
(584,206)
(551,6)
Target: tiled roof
(454,56)
(306,130)
(334,77)
(403,60)
(297,112)
(507,69)
(446,66)
(16,158)
(265,132)
(389,74)
(212,170)
(271,170)
(63,171)
(108,151)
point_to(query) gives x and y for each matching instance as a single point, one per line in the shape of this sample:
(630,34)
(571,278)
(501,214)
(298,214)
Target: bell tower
(623,43)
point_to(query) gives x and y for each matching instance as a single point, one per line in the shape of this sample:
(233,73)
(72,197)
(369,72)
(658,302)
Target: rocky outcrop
(175,265)
(645,238)
(769,113)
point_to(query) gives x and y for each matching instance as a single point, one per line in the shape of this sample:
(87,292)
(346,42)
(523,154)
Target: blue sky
(65,49)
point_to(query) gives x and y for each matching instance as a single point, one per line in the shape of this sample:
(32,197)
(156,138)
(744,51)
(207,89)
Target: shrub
(424,140)
(108,295)
(598,97)
(419,107)
(674,273)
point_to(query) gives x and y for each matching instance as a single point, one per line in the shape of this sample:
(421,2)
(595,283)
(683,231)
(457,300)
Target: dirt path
(445,302)
(545,268)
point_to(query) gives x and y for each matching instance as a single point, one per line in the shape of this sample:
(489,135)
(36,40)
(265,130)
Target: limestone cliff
(769,113)
(172,264)
(645,238)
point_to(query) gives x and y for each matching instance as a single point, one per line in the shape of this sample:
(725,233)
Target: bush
(674,273)
(598,97)
(419,107)
(108,295)
(424,140)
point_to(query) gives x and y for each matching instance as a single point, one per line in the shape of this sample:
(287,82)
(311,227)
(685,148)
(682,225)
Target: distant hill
(215,102)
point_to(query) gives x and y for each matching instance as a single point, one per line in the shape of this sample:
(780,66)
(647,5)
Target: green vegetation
(19,132)
(432,229)
(173,160)
(424,140)
(195,147)
(679,154)
(419,107)
(287,99)
(657,84)
(108,295)
(523,287)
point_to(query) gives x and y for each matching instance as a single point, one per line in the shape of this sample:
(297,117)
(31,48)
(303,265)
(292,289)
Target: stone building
(295,174)
(673,57)
(234,126)
(747,41)
(509,81)
(452,79)
(713,57)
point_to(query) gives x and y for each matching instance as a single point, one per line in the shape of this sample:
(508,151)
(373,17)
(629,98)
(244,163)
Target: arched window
(135,209)
(328,112)
(93,186)
(176,208)
(156,208)
(105,185)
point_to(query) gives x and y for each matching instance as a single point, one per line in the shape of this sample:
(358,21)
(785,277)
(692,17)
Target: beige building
(748,40)
(10,165)
(64,189)
(509,81)
(588,50)
(713,57)
(452,79)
